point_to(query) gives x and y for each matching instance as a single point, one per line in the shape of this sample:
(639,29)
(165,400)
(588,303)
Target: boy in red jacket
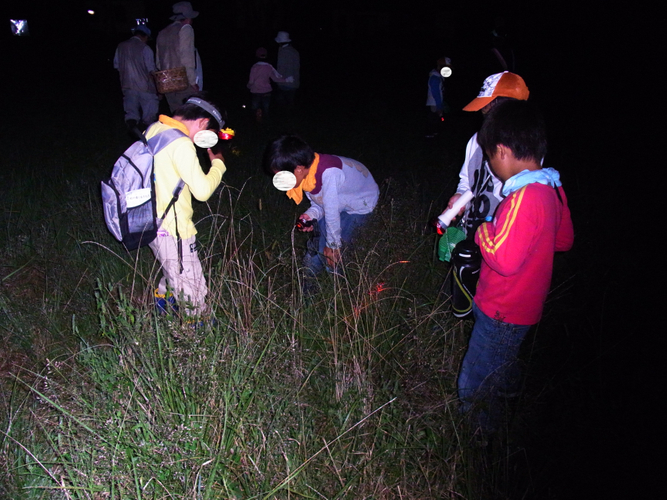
(530,224)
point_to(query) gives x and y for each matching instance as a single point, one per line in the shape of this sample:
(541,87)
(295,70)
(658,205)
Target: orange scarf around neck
(168,120)
(307,184)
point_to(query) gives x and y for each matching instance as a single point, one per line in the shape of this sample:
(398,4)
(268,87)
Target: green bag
(448,241)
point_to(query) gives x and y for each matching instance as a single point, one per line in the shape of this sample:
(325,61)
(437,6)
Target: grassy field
(350,396)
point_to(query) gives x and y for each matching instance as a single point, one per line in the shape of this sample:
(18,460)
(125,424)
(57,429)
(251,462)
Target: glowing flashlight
(226,134)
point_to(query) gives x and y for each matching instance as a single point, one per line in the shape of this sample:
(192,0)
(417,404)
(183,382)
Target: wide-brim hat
(183,10)
(283,37)
(504,84)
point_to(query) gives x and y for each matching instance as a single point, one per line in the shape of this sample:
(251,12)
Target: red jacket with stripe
(518,250)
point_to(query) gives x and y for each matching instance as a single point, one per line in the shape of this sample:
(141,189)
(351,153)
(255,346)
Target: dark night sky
(585,62)
(562,47)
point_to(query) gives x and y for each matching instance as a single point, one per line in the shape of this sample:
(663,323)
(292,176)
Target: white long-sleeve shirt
(343,185)
(476,176)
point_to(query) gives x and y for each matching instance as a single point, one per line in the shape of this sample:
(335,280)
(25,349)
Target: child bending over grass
(176,245)
(342,194)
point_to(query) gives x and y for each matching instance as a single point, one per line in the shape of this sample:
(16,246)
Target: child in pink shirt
(259,83)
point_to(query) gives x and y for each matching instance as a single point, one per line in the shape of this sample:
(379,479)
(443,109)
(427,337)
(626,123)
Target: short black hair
(286,153)
(189,111)
(518,125)
(499,100)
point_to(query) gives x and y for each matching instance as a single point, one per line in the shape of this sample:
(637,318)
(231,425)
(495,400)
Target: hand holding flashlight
(456,206)
(305,223)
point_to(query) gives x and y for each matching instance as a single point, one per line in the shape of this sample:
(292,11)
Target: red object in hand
(301,224)
(438,227)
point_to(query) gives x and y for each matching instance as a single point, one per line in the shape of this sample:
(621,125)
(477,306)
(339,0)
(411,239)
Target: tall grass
(350,394)
(278,398)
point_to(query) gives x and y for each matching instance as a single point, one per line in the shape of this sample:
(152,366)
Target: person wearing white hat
(176,48)
(475,174)
(289,64)
(135,62)
(259,83)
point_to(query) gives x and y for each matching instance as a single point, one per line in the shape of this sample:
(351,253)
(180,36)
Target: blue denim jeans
(490,369)
(314,260)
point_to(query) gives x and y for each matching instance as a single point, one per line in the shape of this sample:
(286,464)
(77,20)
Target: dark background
(592,67)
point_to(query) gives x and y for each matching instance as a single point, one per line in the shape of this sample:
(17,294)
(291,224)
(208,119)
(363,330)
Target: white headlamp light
(446,71)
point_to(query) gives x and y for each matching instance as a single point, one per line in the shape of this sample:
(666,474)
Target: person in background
(435,97)
(135,62)
(176,48)
(289,63)
(259,83)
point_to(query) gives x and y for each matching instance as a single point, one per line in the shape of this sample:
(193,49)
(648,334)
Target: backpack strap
(174,198)
(154,145)
(560,198)
(159,141)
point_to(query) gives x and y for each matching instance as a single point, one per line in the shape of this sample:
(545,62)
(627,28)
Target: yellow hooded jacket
(179,161)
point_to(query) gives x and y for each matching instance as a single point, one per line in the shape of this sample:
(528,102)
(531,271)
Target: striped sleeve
(506,242)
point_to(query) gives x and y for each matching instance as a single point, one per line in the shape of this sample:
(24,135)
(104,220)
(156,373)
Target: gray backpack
(128,197)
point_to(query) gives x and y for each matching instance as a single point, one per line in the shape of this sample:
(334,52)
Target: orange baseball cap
(504,84)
